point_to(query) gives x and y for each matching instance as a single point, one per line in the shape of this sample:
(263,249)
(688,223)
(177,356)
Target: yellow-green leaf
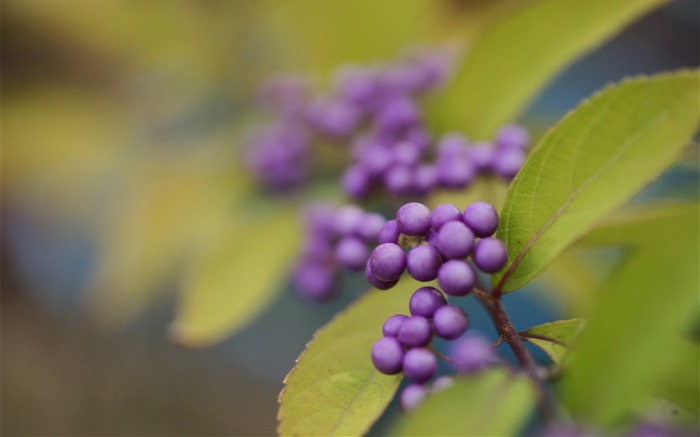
(628,344)
(593,161)
(493,403)
(506,67)
(237,275)
(334,388)
(554,338)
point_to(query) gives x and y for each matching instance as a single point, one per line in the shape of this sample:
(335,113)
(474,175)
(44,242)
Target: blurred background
(121,127)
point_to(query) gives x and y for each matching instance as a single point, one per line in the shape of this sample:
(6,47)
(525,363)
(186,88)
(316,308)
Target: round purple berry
(472,353)
(442,383)
(413,219)
(415,332)
(377,283)
(490,255)
(398,179)
(423,263)
(425,301)
(481,155)
(390,232)
(419,364)
(346,219)
(450,322)
(387,355)
(352,253)
(513,137)
(456,278)
(455,240)
(370,226)
(424,178)
(387,262)
(456,173)
(443,214)
(356,182)
(412,396)
(482,219)
(392,325)
(508,162)
(315,281)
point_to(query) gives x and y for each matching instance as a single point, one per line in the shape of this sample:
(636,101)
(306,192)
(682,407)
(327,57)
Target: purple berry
(397,114)
(412,396)
(431,238)
(356,182)
(450,322)
(442,383)
(315,281)
(347,219)
(370,226)
(415,332)
(398,179)
(387,262)
(482,219)
(508,162)
(452,145)
(455,240)
(481,155)
(392,325)
(423,263)
(377,283)
(375,158)
(317,247)
(490,255)
(513,137)
(472,353)
(352,253)
(419,364)
(425,301)
(413,219)
(456,278)
(390,232)
(424,178)
(406,153)
(443,214)
(387,355)
(455,173)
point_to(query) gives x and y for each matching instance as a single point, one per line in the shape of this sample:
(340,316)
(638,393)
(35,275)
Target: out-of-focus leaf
(595,159)
(631,330)
(554,338)
(329,34)
(640,224)
(681,385)
(57,142)
(238,273)
(334,388)
(567,282)
(511,61)
(148,225)
(492,403)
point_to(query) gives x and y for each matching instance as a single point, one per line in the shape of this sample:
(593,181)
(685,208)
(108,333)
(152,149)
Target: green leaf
(554,338)
(640,224)
(329,34)
(628,344)
(682,384)
(334,388)
(594,160)
(506,67)
(493,403)
(239,272)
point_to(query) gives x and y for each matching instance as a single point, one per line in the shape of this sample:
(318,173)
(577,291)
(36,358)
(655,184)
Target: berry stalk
(507,331)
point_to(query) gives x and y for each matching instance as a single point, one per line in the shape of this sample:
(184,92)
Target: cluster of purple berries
(380,99)
(405,344)
(335,238)
(442,241)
